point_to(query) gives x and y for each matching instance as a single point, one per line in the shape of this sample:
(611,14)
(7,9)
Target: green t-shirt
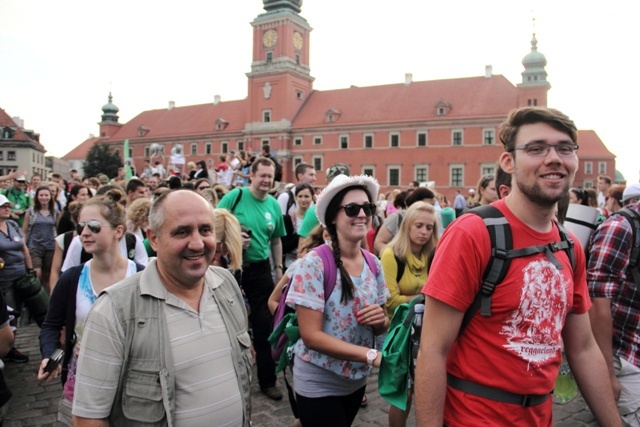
(262,217)
(21,201)
(309,221)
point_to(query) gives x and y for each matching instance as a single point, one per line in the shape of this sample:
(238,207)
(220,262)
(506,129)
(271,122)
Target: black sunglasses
(352,210)
(94,226)
(203,187)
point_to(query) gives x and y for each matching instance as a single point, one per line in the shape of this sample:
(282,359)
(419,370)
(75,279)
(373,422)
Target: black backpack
(634,259)
(502,253)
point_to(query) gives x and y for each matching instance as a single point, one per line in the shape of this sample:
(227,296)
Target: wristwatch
(372,355)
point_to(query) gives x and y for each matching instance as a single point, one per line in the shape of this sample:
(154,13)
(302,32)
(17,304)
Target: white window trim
(453,131)
(391,135)
(340,141)
(455,166)
(372,167)
(224,147)
(295,141)
(588,168)
(493,131)
(264,115)
(426,138)
(313,161)
(391,167)
(488,165)
(208,147)
(194,152)
(317,137)
(364,140)
(295,161)
(602,168)
(420,166)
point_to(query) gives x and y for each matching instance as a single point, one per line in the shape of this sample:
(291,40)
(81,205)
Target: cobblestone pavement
(35,404)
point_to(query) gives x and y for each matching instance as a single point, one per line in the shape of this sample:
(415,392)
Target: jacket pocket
(142,397)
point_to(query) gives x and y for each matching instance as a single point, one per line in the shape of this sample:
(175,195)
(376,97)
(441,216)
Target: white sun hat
(338,184)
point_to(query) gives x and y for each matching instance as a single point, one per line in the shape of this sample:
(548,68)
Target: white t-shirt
(75,251)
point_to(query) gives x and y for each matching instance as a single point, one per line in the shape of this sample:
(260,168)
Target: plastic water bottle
(566,388)
(416,330)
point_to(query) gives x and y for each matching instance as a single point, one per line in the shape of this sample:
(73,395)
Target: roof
(591,146)
(80,152)
(472,97)
(186,121)
(20,134)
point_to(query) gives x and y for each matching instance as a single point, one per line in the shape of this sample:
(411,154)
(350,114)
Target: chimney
(18,121)
(488,71)
(172,105)
(91,136)
(216,100)
(408,79)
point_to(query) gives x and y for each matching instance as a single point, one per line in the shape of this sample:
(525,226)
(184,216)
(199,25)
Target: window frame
(454,132)
(426,139)
(453,167)
(364,140)
(492,136)
(393,168)
(396,136)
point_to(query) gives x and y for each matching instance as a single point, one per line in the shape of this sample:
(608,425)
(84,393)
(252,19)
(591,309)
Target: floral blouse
(339,318)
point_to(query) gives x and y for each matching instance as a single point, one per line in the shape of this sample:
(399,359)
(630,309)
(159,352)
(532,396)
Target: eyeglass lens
(94,227)
(352,210)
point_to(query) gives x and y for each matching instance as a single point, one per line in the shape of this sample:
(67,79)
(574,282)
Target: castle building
(444,131)
(20,148)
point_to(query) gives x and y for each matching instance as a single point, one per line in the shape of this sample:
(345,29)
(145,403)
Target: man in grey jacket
(168,346)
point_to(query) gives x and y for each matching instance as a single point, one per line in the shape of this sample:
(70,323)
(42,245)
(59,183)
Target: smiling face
(185,242)
(44,196)
(353,229)
(541,180)
(103,241)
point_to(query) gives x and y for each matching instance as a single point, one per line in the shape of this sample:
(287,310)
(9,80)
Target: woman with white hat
(336,350)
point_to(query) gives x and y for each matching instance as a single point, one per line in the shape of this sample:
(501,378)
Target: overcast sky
(59,60)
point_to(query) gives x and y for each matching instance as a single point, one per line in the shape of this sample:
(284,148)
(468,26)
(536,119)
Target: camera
(54,360)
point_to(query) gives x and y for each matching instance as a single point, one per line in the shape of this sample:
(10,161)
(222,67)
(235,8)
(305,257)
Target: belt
(525,400)
(255,264)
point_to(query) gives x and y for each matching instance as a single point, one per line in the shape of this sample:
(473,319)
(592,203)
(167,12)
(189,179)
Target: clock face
(270,38)
(297,40)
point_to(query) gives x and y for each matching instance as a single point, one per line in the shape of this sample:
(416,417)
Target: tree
(101,160)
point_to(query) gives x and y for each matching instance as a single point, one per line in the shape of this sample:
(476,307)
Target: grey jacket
(146,389)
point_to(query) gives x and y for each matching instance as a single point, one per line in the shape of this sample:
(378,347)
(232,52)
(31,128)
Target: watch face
(270,38)
(297,40)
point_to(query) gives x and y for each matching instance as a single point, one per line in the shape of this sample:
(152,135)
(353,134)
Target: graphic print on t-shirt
(534,330)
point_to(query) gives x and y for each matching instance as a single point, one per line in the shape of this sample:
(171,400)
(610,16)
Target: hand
(616,388)
(48,376)
(246,240)
(371,315)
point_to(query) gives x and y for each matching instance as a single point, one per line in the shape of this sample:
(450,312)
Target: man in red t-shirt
(514,354)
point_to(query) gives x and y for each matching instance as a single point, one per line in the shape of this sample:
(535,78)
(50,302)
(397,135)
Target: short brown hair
(264,161)
(518,117)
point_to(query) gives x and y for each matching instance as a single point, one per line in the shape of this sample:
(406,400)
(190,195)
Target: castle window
(368,141)
(422,139)
(344,142)
(456,137)
(489,137)
(394,140)
(269,57)
(393,174)
(266,116)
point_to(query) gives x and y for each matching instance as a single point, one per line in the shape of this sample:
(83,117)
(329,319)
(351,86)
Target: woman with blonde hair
(229,240)
(138,218)
(404,262)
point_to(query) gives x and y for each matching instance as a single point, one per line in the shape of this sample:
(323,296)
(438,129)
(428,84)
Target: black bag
(29,288)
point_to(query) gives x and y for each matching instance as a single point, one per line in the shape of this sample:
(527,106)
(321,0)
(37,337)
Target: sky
(59,60)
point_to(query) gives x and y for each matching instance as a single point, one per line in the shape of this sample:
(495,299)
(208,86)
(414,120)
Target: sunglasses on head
(203,187)
(352,209)
(94,226)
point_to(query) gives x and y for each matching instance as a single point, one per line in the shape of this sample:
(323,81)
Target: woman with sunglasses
(101,225)
(404,261)
(77,192)
(336,350)
(486,192)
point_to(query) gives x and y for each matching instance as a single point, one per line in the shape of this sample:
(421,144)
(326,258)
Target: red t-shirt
(517,348)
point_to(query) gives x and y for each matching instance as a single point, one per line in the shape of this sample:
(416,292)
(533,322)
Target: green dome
(110,111)
(294,5)
(534,58)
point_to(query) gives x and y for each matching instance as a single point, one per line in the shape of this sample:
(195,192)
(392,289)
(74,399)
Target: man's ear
(153,239)
(507,162)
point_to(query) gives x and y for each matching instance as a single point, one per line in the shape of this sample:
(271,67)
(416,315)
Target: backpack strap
(235,203)
(502,253)
(130,240)
(634,258)
(290,201)
(400,265)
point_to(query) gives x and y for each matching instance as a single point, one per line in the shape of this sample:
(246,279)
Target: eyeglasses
(542,149)
(352,210)
(94,226)
(203,187)
(6,206)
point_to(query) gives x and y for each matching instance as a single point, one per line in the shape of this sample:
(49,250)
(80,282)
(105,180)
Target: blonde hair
(228,231)
(138,212)
(401,243)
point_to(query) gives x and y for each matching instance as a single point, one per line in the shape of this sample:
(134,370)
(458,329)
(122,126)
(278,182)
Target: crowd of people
(163,286)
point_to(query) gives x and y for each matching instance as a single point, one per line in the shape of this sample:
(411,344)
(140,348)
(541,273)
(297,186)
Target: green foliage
(101,160)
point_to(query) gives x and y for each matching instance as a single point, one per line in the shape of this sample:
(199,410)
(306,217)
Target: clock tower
(280,79)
